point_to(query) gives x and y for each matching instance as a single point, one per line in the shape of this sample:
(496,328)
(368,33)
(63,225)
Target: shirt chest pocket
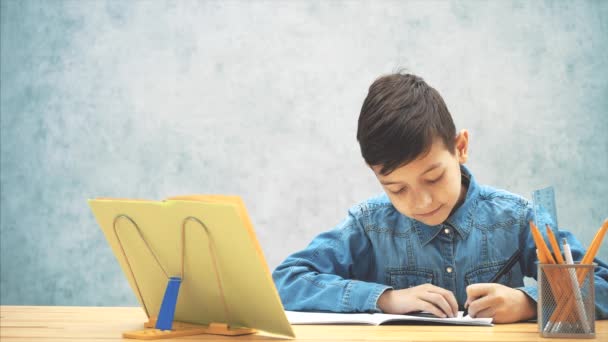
(485,272)
(402,278)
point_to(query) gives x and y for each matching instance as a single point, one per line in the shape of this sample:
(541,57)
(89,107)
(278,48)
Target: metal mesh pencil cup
(566,300)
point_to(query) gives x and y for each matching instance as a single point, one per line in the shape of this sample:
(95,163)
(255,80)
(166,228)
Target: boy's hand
(427,297)
(502,303)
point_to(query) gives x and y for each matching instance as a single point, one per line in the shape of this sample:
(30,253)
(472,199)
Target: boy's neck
(464,188)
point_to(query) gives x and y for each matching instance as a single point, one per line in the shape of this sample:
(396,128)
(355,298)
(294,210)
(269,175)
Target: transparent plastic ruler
(545,198)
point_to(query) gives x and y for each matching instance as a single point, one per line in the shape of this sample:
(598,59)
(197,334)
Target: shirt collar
(461,219)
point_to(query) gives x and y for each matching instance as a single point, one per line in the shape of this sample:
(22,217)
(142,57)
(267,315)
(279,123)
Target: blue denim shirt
(377,248)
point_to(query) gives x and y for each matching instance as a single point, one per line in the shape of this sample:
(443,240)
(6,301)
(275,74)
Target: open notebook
(207,241)
(296,317)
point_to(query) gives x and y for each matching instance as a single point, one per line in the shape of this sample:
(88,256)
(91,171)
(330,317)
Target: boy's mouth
(430,213)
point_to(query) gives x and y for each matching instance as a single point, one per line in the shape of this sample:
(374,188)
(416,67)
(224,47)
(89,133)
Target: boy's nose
(422,200)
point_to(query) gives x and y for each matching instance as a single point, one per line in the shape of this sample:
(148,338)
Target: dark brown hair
(399,119)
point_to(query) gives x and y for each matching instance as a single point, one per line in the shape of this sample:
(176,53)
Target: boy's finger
(453,303)
(478,290)
(486,313)
(449,297)
(439,301)
(430,307)
(478,305)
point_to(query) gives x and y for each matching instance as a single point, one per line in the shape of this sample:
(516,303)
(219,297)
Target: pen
(582,315)
(567,252)
(504,270)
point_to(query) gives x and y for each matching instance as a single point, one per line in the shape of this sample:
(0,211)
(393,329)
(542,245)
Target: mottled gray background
(148,99)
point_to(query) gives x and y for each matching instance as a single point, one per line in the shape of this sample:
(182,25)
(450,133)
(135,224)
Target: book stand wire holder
(163,326)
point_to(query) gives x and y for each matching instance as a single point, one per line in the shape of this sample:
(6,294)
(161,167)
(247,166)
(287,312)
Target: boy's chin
(433,221)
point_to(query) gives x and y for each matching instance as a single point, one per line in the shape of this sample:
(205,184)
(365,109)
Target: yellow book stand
(205,246)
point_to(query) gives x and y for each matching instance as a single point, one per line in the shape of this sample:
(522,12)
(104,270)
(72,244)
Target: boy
(435,238)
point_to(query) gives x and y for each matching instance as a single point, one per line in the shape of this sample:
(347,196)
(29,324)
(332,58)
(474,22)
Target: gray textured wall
(148,99)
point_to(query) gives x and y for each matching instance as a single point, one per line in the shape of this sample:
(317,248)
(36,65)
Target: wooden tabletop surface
(66,323)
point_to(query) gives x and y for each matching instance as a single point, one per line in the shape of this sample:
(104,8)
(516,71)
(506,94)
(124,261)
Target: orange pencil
(592,251)
(554,246)
(543,250)
(595,244)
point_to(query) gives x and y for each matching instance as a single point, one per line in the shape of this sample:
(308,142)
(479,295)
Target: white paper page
(296,317)
(458,320)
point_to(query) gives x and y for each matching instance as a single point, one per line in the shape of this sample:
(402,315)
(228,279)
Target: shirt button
(447,231)
(449,269)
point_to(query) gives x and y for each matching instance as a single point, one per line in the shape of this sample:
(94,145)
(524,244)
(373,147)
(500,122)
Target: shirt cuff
(531,291)
(362,296)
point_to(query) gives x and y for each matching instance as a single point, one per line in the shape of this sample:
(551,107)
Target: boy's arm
(321,277)
(529,267)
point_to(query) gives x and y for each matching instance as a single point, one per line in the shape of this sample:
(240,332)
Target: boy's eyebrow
(429,169)
(389,183)
(432,167)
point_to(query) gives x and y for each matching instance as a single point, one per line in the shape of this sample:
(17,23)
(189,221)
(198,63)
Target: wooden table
(63,323)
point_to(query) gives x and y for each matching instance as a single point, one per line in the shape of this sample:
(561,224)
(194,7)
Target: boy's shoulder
(478,192)
(379,203)
(494,207)
(500,196)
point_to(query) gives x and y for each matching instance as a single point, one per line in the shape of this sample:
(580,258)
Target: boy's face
(428,188)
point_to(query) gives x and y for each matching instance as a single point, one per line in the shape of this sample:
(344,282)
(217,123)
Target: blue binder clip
(167,308)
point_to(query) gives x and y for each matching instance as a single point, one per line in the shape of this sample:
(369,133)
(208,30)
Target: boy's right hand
(426,297)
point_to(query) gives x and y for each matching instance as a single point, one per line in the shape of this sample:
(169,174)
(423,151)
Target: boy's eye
(432,181)
(400,191)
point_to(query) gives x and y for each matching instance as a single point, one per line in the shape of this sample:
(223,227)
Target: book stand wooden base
(184,329)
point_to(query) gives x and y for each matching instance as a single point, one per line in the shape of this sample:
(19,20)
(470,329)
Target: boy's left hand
(502,303)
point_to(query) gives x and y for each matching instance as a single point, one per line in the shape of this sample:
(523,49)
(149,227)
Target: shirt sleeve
(321,277)
(530,262)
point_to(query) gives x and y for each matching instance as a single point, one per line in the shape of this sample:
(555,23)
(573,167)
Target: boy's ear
(462,146)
